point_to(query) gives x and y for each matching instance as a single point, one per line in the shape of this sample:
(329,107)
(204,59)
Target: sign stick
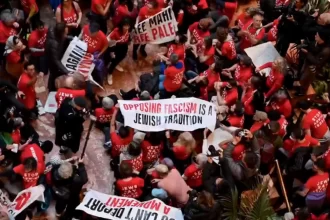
(282,186)
(91,124)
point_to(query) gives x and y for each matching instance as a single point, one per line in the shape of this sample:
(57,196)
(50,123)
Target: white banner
(261,54)
(117,208)
(158,29)
(76,59)
(51,104)
(183,114)
(26,198)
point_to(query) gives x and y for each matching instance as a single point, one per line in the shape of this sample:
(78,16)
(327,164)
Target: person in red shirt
(236,115)
(227,93)
(197,32)
(14,53)
(274,115)
(119,39)
(36,151)
(26,84)
(171,81)
(212,75)
(206,55)
(96,40)
(145,12)
(313,122)
(242,70)
(281,103)
(129,186)
(225,47)
(133,155)
(272,33)
(99,11)
(70,13)
(103,118)
(317,183)
(152,147)
(245,17)
(31,11)
(122,12)
(36,43)
(252,32)
(120,140)
(178,47)
(275,78)
(193,173)
(8,27)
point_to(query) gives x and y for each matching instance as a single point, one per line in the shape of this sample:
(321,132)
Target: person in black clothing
(67,182)
(69,121)
(54,50)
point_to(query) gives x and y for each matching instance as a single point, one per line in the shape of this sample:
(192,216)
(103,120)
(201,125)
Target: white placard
(183,114)
(51,104)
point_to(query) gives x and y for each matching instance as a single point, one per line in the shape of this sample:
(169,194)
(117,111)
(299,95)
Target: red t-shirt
(194,176)
(243,74)
(33,150)
(118,143)
(30,179)
(284,107)
(282,121)
(98,2)
(202,4)
(229,95)
(120,13)
(131,188)
(146,13)
(178,50)
(37,40)
(151,153)
(119,37)
(291,145)
(326,157)
(236,121)
(16,136)
(95,43)
(29,100)
(197,34)
(237,153)
(14,57)
(257,33)
(173,78)
(229,9)
(6,32)
(180,152)
(212,77)
(69,16)
(104,116)
(318,183)
(228,50)
(247,100)
(210,52)
(137,163)
(272,33)
(314,120)
(63,93)
(274,82)
(242,19)
(27,4)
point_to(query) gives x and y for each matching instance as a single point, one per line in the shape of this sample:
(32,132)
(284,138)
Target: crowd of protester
(272,118)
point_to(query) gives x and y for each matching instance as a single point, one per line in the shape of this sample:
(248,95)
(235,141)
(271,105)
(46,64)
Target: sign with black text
(116,208)
(158,29)
(183,114)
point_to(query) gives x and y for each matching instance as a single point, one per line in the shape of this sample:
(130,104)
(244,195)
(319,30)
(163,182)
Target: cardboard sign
(116,208)
(183,114)
(51,104)
(158,29)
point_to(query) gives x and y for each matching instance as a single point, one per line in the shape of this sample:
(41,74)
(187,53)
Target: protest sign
(261,54)
(76,59)
(183,114)
(117,208)
(26,198)
(4,203)
(51,104)
(158,29)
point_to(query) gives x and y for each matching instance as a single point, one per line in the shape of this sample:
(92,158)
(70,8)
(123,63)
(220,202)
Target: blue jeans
(161,82)
(190,74)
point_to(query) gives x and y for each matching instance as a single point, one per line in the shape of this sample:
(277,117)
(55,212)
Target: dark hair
(246,60)
(30,163)
(304,104)
(47,146)
(259,12)
(182,38)
(274,115)
(205,199)
(298,133)
(154,138)
(239,109)
(203,82)
(232,82)
(39,23)
(125,169)
(123,131)
(15,40)
(134,149)
(304,1)
(320,164)
(256,82)
(251,159)
(59,30)
(274,126)
(123,22)
(222,33)
(208,42)
(26,65)
(218,66)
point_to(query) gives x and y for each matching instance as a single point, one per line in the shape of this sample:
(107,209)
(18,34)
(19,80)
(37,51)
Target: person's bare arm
(113,121)
(103,11)
(58,15)
(76,5)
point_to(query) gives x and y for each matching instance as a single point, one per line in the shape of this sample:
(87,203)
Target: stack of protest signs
(183,114)
(116,208)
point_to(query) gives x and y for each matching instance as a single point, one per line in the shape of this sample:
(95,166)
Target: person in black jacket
(67,182)
(54,50)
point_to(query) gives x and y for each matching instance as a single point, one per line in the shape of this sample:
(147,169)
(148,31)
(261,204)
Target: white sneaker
(119,68)
(110,79)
